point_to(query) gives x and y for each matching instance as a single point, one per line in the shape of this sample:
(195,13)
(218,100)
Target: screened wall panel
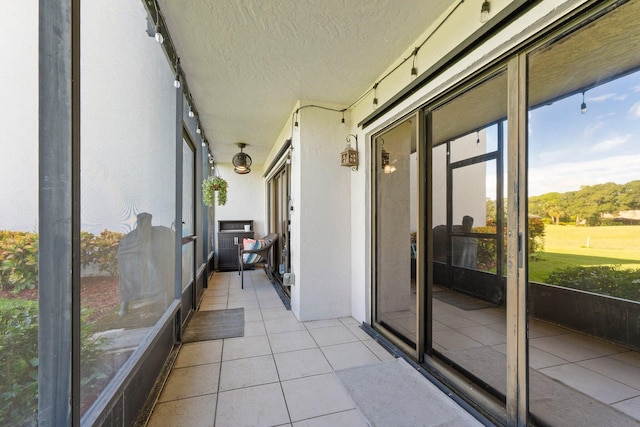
(128,187)
(19,223)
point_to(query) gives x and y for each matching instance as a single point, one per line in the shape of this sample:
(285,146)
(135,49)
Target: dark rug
(215,325)
(463,302)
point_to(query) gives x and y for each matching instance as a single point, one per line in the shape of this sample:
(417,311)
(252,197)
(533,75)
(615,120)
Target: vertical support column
(424,274)
(59,213)
(517,358)
(178,211)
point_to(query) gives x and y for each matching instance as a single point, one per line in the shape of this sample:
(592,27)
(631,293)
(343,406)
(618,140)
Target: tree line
(588,205)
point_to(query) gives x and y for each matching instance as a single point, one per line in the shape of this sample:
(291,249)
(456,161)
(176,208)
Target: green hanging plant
(209,187)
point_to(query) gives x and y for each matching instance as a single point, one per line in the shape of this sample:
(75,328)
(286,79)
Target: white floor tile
(194,412)
(254,329)
(238,348)
(290,341)
(315,396)
(381,352)
(453,340)
(315,324)
(247,372)
(351,418)
(199,353)
(301,363)
(630,407)
(285,324)
(616,370)
(332,335)
(259,406)
(591,383)
(484,335)
(348,355)
(190,382)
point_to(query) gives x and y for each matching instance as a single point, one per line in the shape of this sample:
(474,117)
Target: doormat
(395,394)
(214,325)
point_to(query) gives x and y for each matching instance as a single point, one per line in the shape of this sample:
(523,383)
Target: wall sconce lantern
(242,161)
(385,160)
(350,155)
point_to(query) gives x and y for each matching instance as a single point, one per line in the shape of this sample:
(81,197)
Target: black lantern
(241,161)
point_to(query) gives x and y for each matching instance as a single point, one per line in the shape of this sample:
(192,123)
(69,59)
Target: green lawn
(570,246)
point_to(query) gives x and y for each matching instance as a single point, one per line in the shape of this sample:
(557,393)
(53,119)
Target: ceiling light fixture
(485,9)
(241,161)
(583,106)
(414,70)
(158,36)
(176,81)
(375,96)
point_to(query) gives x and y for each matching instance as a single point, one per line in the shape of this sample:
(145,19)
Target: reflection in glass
(468,315)
(583,182)
(127,189)
(188,223)
(19,222)
(396,226)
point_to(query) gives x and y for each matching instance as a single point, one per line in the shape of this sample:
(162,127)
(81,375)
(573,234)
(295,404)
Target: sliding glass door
(278,190)
(465,319)
(584,189)
(395,170)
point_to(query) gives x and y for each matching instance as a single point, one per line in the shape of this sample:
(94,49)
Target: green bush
(18,260)
(604,280)
(486,253)
(100,251)
(19,256)
(19,360)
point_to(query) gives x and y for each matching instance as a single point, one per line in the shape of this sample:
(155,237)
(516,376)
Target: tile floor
(279,374)
(604,371)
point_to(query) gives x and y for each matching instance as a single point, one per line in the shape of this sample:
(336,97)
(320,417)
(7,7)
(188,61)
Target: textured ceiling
(248,61)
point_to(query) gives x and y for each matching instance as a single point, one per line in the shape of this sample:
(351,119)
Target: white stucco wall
(19,115)
(321,201)
(128,106)
(245,196)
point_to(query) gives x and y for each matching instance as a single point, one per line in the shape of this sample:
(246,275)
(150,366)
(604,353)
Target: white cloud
(593,128)
(609,144)
(621,97)
(601,98)
(635,110)
(566,176)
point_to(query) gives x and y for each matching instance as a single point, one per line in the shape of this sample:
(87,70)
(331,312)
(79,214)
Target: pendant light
(241,161)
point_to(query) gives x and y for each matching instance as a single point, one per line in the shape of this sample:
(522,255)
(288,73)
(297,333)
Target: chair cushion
(252,244)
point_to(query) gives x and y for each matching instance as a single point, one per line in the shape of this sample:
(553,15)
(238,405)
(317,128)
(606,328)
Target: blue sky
(568,149)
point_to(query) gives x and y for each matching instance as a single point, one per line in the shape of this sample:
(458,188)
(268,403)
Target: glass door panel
(467,319)
(395,170)
(188,217)
(584,232)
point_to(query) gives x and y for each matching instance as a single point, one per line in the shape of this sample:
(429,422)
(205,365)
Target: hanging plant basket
(210,186)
